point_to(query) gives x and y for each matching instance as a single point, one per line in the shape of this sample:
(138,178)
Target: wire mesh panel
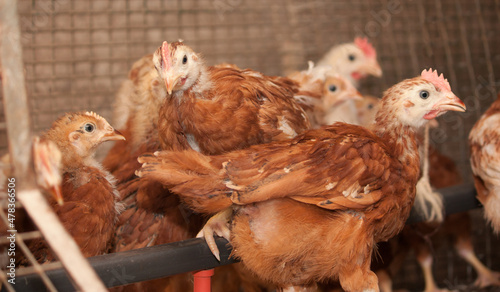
(76,53)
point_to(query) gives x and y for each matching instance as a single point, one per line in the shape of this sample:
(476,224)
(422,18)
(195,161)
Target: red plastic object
(202,280)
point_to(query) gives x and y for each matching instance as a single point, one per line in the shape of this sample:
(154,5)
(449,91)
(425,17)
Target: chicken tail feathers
(191,175)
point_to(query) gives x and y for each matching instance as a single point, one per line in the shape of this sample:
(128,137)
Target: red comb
(439,81)
(165,55)
(366,47)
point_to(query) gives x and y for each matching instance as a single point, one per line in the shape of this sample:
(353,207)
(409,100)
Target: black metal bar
(193,254)
(140,264)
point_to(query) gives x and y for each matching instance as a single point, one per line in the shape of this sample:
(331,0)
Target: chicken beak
(449,103)
(56,193)
(113,135)
(373,68)
(355,95)
(452,103)
(170,83)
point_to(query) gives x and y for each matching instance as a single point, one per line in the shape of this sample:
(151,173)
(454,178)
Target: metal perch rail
(193,254)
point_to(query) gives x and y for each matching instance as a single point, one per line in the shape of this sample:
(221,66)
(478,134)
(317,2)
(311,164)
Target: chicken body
(222,108)
(313,207)
(90,209)
(136,115)
(484,140)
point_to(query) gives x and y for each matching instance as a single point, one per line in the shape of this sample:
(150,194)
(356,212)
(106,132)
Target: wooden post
(19,132)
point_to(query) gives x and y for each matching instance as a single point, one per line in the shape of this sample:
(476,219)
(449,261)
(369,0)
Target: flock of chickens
(303,198)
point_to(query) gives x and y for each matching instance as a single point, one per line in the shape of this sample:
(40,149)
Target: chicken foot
(219,225)
(485,276)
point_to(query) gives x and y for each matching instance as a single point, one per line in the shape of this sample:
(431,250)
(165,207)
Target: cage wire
(76,54)
(17,182)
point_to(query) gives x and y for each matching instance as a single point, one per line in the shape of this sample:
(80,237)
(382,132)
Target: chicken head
(79,134)
(423,99)
(337,90)
(178,65)
(353,60)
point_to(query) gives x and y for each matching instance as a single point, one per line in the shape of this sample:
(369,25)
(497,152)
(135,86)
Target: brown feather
(242,108)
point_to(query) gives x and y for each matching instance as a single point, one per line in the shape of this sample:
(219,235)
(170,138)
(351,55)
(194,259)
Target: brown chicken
(136,115)
(223,108)
(424,237)
(90,209)
(326,90)
(313,207)
(484,140)
(366,108)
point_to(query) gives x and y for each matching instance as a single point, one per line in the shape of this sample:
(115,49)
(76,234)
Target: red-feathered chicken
(222,108)
(90,209)
(484,140)
(313,207)
(425,236)
(213,110)
(366,108)
(326,91)
(136,115)
(146,220)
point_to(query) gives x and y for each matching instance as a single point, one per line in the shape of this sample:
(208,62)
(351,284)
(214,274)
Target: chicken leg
(385,281)
(313,288)
(425,262)
(350,278)
(218,224)
(485,276)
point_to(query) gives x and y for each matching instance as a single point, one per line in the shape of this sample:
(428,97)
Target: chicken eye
(184,59)
(89,128)
(352,58)
(332,88)
(370,106)
(424,94)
